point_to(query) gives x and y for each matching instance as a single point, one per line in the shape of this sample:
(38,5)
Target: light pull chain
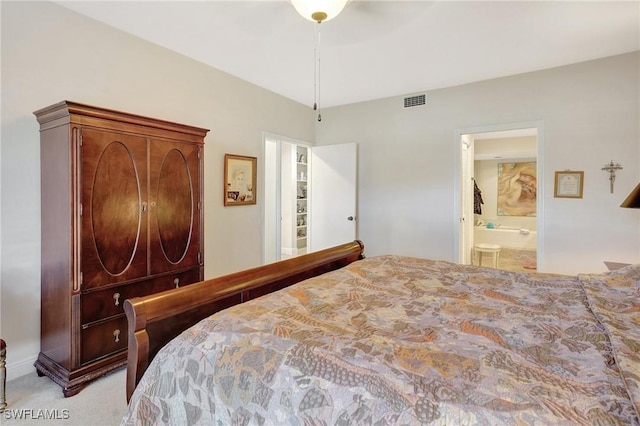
(316,84)
(315,69)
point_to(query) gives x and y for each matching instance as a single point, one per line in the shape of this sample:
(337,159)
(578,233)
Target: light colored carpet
(33,400)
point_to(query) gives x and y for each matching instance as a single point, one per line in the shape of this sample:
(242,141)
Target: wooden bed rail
(156,319)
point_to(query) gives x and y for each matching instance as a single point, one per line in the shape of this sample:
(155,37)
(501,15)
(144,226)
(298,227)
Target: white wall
(407,160)
(51,54)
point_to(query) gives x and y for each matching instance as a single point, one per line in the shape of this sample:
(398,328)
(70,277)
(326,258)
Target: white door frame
(465,222)
(540,215)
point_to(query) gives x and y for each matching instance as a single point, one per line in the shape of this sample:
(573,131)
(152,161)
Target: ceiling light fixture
(318,11)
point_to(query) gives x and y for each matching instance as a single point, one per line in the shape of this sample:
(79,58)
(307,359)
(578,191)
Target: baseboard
(21,368)
(288,251)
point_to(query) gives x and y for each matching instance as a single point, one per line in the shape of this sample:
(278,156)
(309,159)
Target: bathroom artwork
(517,189)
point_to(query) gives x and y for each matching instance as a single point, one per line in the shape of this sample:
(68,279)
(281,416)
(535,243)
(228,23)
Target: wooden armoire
(122,216)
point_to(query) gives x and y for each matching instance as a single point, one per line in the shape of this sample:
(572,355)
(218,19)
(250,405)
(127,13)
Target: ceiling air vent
(412,101)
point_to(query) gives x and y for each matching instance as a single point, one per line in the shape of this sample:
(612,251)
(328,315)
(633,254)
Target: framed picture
(517,189)
(239,180)
(568,184)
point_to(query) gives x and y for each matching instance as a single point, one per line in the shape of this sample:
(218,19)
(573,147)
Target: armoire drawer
(106,303)
(103,339)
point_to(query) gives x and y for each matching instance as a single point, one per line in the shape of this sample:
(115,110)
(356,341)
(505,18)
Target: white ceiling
(377,49)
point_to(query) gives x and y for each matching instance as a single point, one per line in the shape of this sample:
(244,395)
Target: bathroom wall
(486,176)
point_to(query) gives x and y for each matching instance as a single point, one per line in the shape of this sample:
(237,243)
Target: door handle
(351,218)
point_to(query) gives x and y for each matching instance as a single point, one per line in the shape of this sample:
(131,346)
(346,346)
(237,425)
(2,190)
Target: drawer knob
(116,335)
(176,281)
(116,298)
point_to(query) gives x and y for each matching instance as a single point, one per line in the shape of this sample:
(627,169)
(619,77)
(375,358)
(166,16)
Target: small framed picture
(239,180)
(568,184)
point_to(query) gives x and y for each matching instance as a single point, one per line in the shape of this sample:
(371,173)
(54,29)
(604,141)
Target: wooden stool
(3,375)
(493,249)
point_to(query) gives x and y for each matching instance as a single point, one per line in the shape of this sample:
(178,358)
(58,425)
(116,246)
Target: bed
(339,338)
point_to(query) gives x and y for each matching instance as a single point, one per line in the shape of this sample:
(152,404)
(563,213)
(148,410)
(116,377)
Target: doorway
(310,196)
(488,158)
(285,216)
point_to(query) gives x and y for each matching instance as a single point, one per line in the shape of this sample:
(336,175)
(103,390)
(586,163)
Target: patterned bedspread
(393,340)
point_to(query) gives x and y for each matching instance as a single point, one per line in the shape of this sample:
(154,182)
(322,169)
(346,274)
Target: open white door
(332,195)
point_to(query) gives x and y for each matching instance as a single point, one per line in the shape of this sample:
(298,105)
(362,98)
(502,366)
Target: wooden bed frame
(156,319)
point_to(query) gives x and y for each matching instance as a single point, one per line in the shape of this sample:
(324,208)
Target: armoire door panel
(115,208)
(174,206)
(114,218)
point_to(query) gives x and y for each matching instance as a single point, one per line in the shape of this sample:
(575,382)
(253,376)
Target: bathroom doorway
(500,195)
